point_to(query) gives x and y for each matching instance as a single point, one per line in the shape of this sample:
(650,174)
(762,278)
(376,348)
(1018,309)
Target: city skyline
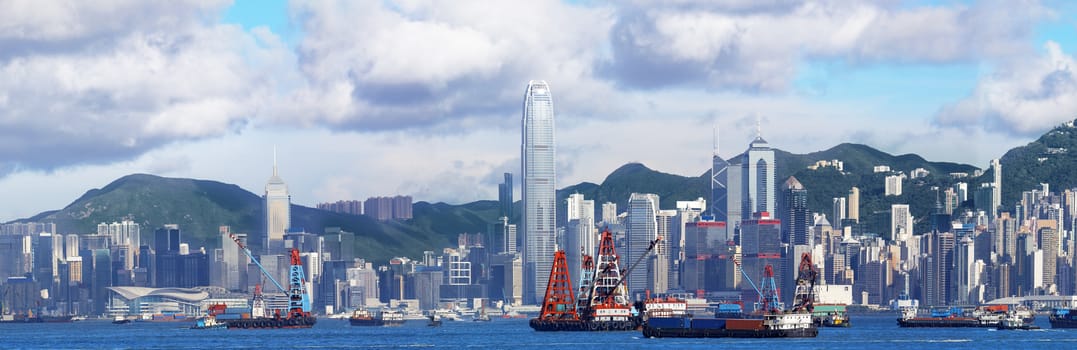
(350,108)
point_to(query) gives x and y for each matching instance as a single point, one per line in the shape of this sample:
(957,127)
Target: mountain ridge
(200,206)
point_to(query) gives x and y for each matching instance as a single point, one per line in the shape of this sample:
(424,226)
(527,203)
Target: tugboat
(776,323)
(209,322)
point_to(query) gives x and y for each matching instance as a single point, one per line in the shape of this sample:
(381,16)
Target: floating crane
(602,304)
(298,313)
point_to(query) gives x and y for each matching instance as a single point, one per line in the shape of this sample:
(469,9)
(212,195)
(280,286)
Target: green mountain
(200,207)
(1051,159)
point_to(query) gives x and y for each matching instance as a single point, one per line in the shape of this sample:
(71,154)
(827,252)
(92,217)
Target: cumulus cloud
(758,47)
(91,83)
(1024,97)
(421,65)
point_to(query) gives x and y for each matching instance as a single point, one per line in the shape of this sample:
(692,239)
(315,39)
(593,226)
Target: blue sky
(370,98)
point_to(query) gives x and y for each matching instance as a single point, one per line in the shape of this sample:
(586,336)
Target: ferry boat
(830,315)
(1015,322)
(363,317)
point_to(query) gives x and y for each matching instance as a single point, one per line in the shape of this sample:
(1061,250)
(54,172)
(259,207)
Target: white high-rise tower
(278,211)
(539,191)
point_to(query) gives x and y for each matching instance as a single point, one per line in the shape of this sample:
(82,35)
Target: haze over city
(367,99)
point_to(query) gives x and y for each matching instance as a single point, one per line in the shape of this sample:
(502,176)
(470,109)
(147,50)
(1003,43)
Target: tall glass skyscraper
(758,178)
(278,211)
(539,191)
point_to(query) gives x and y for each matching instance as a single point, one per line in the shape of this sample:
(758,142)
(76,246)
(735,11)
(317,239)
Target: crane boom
(638,260)
(259,264)
(742,272)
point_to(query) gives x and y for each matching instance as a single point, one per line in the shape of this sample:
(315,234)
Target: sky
(424,98)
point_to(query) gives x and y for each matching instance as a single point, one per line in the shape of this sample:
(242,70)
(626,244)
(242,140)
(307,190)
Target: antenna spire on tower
(274,160)
(758,126)
(714,138)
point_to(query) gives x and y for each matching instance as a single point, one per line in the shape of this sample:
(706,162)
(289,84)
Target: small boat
(209,322)
(481,316)
(1014,322)
(435,321)
(121,320)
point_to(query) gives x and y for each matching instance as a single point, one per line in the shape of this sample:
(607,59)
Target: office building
(278,211)
(539,173)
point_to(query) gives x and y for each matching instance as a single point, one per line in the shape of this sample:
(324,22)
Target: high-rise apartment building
(539,173)
(278,211)
(854,204)
(996,194)
(900,222)
(893,185)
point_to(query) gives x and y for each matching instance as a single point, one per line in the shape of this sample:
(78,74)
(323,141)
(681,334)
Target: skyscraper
(757,178)
(996,194)
(504,196)
(794,213)
(642,228)
(278,211)
(900,222)
(719,181)
(539,192)
(579,232)
(854,204)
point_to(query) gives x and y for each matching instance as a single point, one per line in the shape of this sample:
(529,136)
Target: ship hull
(45,319)
(652,332)
(365,322)
(1057,322)
(582,326)
(271,323)
(944,323)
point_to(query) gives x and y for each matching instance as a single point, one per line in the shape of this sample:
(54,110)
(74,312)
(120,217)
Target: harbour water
(875,331)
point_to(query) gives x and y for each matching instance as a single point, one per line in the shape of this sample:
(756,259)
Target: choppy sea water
(874,331)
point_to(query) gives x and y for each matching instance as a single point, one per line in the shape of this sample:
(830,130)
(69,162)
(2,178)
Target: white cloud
(759,48)
(117,80)
(1025,96)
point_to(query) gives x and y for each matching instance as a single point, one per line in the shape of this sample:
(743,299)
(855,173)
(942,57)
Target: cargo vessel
(668,321)
(601,303)
(34,318)
(984,316)
(1063,318)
